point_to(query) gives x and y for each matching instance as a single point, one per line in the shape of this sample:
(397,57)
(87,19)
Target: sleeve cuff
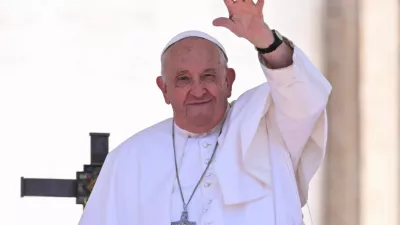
(282,76)
(301,70)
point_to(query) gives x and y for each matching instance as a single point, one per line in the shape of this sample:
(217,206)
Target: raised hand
(246,20)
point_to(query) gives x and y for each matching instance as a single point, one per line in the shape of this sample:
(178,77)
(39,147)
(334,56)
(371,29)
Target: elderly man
(243,163)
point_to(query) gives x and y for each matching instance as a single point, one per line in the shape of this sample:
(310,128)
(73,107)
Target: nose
(197,90)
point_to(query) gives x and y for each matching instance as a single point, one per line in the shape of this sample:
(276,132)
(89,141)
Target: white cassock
(271,145)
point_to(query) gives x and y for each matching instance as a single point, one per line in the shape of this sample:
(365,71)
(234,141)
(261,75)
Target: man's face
(197,83)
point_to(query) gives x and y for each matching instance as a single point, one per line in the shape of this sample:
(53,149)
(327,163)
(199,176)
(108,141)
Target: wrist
(263,38)
(280,58)
(277,42)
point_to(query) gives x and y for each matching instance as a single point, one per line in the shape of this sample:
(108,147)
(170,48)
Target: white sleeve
(300,94)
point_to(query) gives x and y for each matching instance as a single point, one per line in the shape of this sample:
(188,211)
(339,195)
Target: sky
(69,67)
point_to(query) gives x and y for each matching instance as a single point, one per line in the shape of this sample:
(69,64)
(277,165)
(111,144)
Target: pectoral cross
(184,220)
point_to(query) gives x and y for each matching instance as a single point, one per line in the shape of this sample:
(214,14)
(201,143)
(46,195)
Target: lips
(199,102)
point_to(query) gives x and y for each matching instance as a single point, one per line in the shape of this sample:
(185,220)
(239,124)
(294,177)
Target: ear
(230,78)
(163,87)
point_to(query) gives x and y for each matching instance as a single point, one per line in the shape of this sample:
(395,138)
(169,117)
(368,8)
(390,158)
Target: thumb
(224,22)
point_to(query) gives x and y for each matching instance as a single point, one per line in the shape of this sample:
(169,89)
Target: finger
(260,4)
(229,2)
(224,22)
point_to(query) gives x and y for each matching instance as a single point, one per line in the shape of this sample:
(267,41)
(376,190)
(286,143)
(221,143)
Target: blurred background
(69,67)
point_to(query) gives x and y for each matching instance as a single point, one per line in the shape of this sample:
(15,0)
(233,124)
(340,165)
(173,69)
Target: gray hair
(223,60)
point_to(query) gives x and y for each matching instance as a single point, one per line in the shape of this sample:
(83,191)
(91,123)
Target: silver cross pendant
(184,220)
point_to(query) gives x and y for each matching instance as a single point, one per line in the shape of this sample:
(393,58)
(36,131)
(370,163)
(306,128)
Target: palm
(245,18)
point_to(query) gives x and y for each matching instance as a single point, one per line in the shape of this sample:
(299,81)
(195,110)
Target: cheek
(177,96)
(219,92)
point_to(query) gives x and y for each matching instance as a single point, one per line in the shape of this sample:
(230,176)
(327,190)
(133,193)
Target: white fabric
(194,33)
(272,144)
(206,205)
(295,98)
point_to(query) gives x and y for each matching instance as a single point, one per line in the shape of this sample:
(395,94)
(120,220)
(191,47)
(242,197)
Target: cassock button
(208,174)
(207,185)
(205,145)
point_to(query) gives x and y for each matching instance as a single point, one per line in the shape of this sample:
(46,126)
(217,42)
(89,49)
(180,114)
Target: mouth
(200,102)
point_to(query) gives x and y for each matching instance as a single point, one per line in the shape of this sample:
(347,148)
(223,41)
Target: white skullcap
(194,33)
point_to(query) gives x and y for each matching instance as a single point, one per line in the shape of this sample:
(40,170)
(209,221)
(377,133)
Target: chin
(201,120)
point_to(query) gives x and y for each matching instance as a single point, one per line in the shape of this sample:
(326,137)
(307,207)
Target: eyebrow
(181,72)
(208,70)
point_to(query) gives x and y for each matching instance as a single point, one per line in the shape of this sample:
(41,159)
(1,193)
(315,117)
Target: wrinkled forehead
(192,55)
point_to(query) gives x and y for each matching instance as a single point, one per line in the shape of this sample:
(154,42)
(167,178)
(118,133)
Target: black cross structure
(79,188)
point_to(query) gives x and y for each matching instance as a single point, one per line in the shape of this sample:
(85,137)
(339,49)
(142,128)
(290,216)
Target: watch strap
(277,42)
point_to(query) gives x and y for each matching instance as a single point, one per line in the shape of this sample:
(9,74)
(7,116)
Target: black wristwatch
(278,39)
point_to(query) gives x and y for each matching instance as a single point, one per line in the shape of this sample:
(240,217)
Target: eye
(183,78)
(183,81)
(209,77)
